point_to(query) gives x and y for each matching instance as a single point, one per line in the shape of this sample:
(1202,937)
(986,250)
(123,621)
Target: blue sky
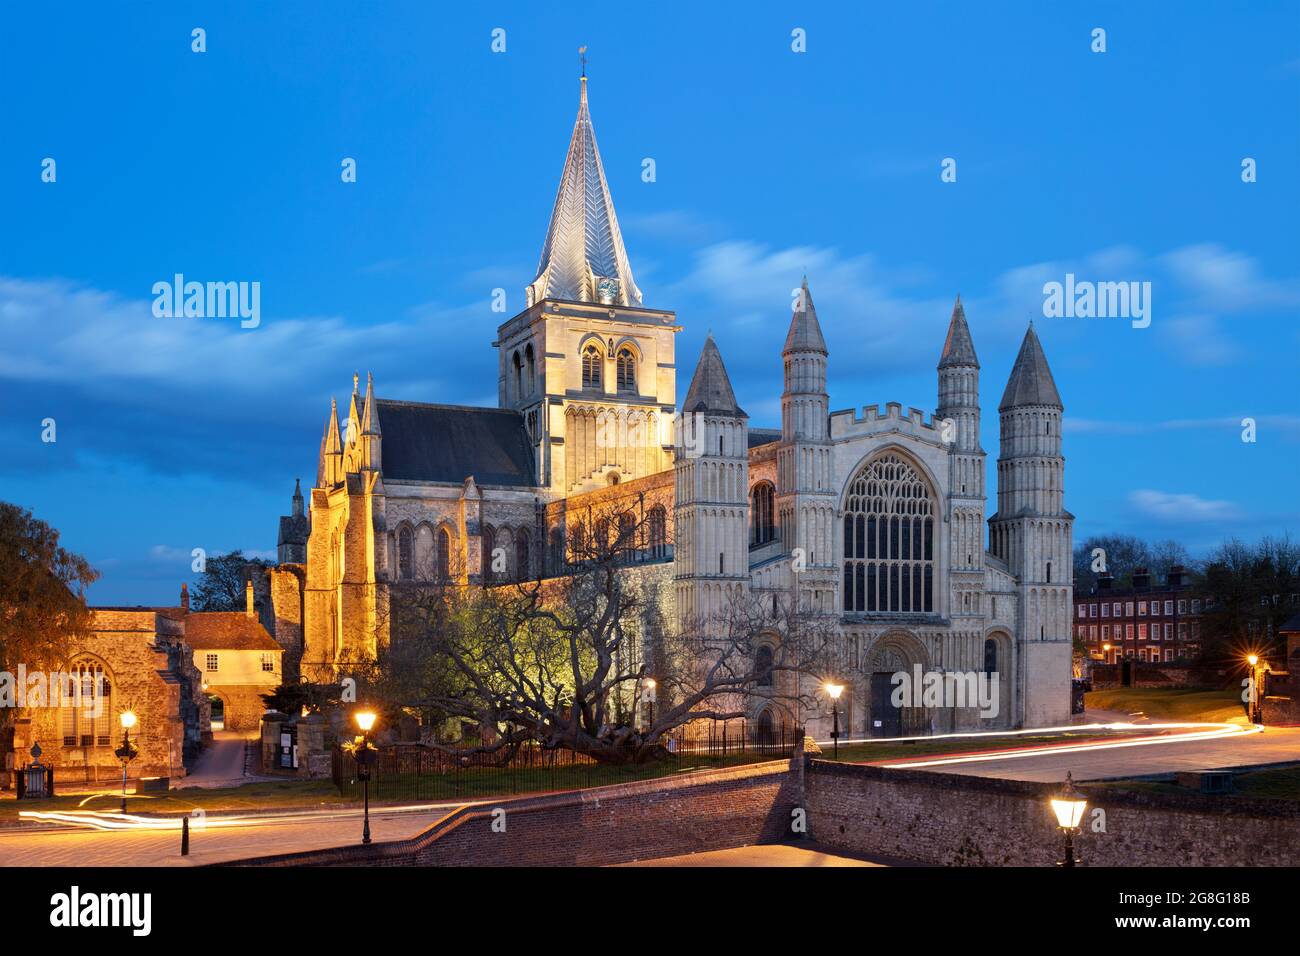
(1124,165)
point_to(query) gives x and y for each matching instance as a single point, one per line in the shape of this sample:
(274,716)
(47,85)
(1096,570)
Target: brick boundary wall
(957,820)
(623,823)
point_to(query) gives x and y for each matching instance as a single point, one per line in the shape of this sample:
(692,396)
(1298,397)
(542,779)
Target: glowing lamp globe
(365,720)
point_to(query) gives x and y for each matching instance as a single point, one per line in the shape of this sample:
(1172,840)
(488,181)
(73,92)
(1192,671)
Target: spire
(710,389)
(369,417)
(583,258)
(805,333)
(1031,380)
(958,349)
(333,444)
(297,498)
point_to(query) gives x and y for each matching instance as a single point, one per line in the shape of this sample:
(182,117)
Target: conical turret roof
(805,332)
(958,349)
(710,389)
(1031,380)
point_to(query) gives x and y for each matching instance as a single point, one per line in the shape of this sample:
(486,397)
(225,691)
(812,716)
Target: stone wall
(956,820)
(710,810)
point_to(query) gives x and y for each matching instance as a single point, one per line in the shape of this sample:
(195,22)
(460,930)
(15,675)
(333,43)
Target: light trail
(1205,732)
(117,821)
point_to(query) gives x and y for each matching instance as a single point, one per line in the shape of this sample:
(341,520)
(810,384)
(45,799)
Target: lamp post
(1105,650)
(365,759)
(1253,661)
(1068,808)
(650,701)
(127,752)
(835,690)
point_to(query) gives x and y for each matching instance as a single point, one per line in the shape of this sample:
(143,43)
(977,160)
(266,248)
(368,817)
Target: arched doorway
(218,712)
(892,653)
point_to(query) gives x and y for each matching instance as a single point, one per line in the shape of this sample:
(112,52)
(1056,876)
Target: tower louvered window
(626,371)
(591,367)
(889,539)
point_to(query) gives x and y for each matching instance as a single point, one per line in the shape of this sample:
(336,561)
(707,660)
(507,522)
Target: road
(1273,745)
(773,854)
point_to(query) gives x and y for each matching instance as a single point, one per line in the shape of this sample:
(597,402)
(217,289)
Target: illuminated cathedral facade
(875,517)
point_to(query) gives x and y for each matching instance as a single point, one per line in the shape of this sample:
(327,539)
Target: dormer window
(592,361)
(626,370)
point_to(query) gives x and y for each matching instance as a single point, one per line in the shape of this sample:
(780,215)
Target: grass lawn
(1280,783)
(1180,705)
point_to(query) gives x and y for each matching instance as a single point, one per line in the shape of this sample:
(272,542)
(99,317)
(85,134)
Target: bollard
(185,836)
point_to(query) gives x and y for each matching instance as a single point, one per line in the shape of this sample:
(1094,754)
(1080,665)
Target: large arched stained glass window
(889,539)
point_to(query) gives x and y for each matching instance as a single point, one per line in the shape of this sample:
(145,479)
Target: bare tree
(571,661)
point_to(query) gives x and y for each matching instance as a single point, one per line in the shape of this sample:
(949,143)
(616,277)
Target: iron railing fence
(418,772)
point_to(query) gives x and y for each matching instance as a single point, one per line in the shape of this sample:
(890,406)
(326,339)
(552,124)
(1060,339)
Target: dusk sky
(176,433)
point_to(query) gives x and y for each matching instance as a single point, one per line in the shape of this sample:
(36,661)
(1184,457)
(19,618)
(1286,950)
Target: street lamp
(835,690)
(650,701)
(1068,808)
(1105,649)
(127,752)
(1253,661)
(365,759)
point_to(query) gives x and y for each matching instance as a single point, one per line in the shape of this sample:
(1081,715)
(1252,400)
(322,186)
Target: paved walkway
(290,833)
(221,764)
(775,854)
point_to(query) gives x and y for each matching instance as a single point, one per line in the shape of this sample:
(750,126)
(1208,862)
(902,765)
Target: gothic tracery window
(405,557)
(657,532)
(444,554)
(889,539)
(86,722)
(523,566)
(591,367)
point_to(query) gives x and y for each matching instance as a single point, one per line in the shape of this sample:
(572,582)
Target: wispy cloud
(1181,508)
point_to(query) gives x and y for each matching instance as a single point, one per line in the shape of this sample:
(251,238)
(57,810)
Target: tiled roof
(227,631)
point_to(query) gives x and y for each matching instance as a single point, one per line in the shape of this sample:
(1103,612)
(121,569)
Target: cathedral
(873,517)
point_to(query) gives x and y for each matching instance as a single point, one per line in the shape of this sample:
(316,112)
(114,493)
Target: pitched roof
(1291,627)
(958,349)
(583,243)
(763,436)
(293,529)
(805,332)
(448,443)
(227,631)
(1031,380)
(710,389)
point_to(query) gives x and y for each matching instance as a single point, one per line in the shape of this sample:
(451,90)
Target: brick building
(239,662)
(1151,622)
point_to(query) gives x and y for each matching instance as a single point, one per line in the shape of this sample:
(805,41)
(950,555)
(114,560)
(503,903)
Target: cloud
(1287,426)
(1225,280)
(1181,508)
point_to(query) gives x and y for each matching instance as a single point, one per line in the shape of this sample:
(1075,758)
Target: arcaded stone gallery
(874,516)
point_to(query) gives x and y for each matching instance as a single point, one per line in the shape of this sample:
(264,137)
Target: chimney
(248,598)
(1142,579)
(1177,576)
(185,597)
(1105,581)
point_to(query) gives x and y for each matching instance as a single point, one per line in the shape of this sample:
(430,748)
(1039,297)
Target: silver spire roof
(958,349)
(805,333)
(583,259)
(1031,380)
(710,389)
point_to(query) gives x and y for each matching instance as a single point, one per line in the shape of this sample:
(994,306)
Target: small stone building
(239,662)
(134,659)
